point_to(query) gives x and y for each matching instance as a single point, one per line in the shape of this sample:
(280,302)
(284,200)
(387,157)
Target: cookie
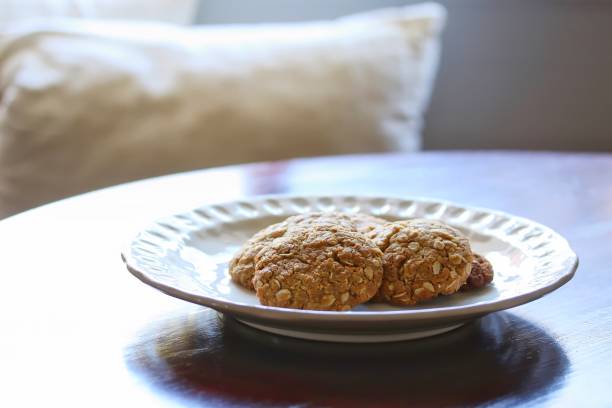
(358,222)
(481,274)
(242,268)
(422,259)
(318,268)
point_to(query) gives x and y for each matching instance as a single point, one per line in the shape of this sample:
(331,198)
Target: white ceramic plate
(186,256)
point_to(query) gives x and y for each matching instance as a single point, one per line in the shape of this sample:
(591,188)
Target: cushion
(174,11)
(87,104)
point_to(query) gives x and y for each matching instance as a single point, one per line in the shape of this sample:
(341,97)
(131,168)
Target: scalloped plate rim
(483,307)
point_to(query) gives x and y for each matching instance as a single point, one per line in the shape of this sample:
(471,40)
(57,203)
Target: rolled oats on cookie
(242,268)
(318,268)
(422,259)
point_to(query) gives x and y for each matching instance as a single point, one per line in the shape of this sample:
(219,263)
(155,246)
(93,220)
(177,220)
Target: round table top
(79,330)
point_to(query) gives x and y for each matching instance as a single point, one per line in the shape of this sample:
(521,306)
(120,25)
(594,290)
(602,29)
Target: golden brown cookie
(358,222)
(422,259)
(242,267)
(481,274)
(318,268)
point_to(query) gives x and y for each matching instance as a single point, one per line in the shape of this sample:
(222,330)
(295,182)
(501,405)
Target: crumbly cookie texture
(422,259)
(242,265)
(319,268)
(481,274)
(356,222)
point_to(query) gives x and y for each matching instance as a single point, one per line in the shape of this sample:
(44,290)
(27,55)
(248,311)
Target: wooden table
(78,331)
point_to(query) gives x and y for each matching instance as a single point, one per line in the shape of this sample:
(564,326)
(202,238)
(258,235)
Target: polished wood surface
(77,330)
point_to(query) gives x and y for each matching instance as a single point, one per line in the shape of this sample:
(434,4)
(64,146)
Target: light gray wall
(516,74)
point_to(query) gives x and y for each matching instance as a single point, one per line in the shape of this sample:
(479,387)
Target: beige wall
(517,74)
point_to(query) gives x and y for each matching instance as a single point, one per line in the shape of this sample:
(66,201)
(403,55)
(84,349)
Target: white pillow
(173,11)
(89,104)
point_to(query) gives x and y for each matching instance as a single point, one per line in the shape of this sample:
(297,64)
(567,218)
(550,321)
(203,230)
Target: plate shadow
(202,359)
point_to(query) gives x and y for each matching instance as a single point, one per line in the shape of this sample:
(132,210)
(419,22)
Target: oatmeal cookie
(422,259)
(318,268)
(242,268)
(481,274)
